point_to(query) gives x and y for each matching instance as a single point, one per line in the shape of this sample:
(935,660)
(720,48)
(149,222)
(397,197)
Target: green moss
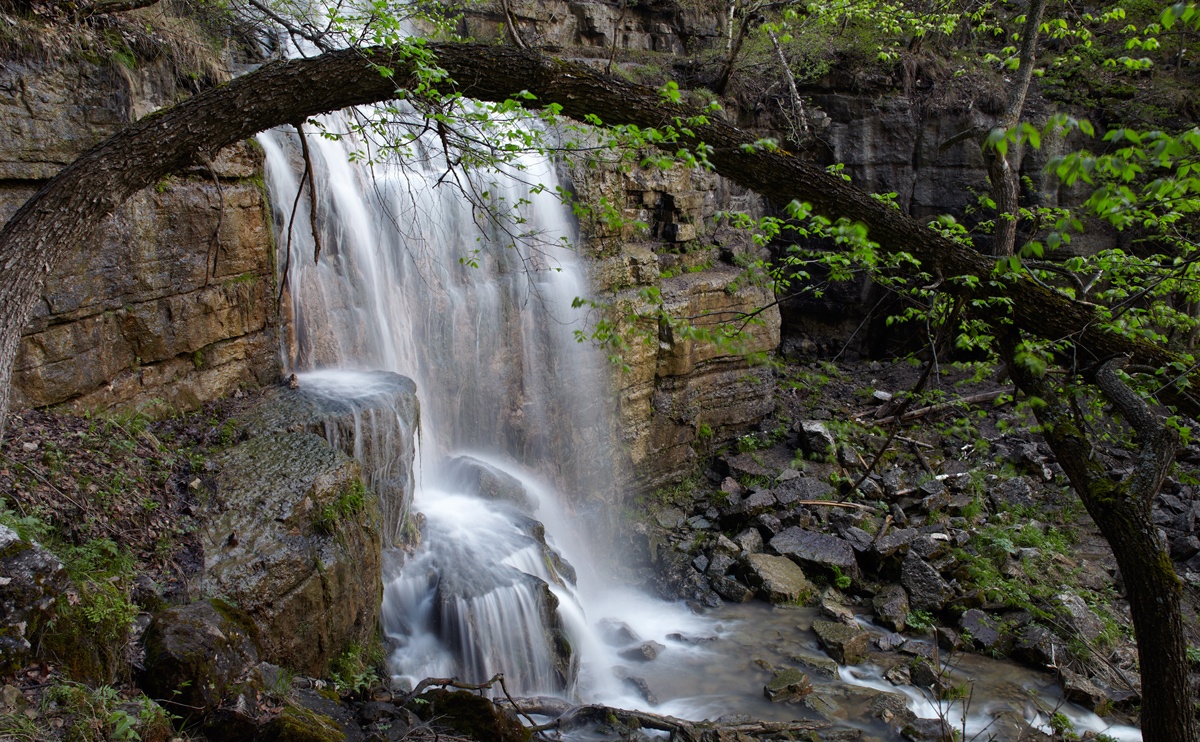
(474,716)
(297,724)
(349,502)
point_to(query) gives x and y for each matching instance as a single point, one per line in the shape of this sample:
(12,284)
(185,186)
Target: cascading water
(413,279)
(409,282)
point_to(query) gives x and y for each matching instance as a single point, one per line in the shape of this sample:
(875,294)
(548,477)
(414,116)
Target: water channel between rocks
(507,577)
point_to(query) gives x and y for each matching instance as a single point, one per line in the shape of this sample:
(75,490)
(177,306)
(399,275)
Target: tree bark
(1121,509)
(67,208)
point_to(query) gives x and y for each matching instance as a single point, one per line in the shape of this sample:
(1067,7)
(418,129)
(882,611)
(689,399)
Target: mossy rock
(198,654)
(472,715)
(298,724)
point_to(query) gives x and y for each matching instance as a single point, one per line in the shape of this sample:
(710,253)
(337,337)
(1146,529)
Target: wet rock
(824,702)
(1081,690)
(616,633)
(730,589)
(947,638)
(296,535)
(891,606)
(644,652)
(814,663)
(197,654)
(787,685)
(917,648)
(690,639)
(892,709)
(474,716)
(984,631)
(638,684)
(818,549)
(778,579)
(750,540)
(815,439)
(926,589)
(889,641)
(31,581)
(373,712)
(833,605)
(899,675)
(845,644)
(925,675)
(926,730)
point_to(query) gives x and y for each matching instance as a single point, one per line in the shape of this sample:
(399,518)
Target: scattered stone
(750,540)
(1011,493)
(724,544)
(889,641)
(644,652)
(1078,616)
(29,446)
(730,589)
(802,488)
(891,606)
(833,606)
(894,541)
(700,563)
(732,487)
(743,465)
(778,579)
(616,633)
(690,639)
(899,675)
(917,648)
(881,396)
(984,630)
(720,564)
(926,676)
(858,539)
(768,525)
(699,523)
(846,645)
(1079,689)
(810,547)
(892,709)
(822,702)
(815,439)
(669,518)
(947,638)
(926,589)
(787,685)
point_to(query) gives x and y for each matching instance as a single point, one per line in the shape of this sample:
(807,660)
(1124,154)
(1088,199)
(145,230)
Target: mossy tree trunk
(1121,509)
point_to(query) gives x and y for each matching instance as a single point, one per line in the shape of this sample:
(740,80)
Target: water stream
(514,447)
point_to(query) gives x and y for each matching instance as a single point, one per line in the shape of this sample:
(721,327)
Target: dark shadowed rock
(926,730)
(927,590)
(984,631)
(197,654)
(644,652)
(819,549)
(472,475)
(845,644)
(637,683)
(891,606)
(31,580)
(778,579)
(731,589)
(892,709)
(1011,493)
(616,633)
(894,541)
(474,716)
(802,488)
(1038,646)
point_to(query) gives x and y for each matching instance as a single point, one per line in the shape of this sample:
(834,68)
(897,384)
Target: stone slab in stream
(820,549)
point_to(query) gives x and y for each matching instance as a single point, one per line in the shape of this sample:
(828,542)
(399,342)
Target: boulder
(31,581)
(845,644)
(199,654)
(1039,647)
(802,488)
(644,652)
(474,716)
(892,709)
(926,589)
(787,685)
(1078,616)
(750,540)
(818,549)
(778,579)
(469,474)
(636,683)
(616,633)
(891,606)
(296,536)
(815,439)
(984,631)
(297,724)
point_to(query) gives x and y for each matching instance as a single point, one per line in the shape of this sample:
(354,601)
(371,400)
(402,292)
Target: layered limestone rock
(173,298)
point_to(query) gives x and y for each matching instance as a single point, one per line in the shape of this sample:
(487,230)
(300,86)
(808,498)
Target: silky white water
(413,279)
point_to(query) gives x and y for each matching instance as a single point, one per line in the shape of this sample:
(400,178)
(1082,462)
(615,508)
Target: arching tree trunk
(68,208)
(1121,509)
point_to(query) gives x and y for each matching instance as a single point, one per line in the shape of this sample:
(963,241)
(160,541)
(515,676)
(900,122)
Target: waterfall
(413,278)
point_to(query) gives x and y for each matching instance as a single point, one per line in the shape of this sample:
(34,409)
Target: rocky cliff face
(173,299)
